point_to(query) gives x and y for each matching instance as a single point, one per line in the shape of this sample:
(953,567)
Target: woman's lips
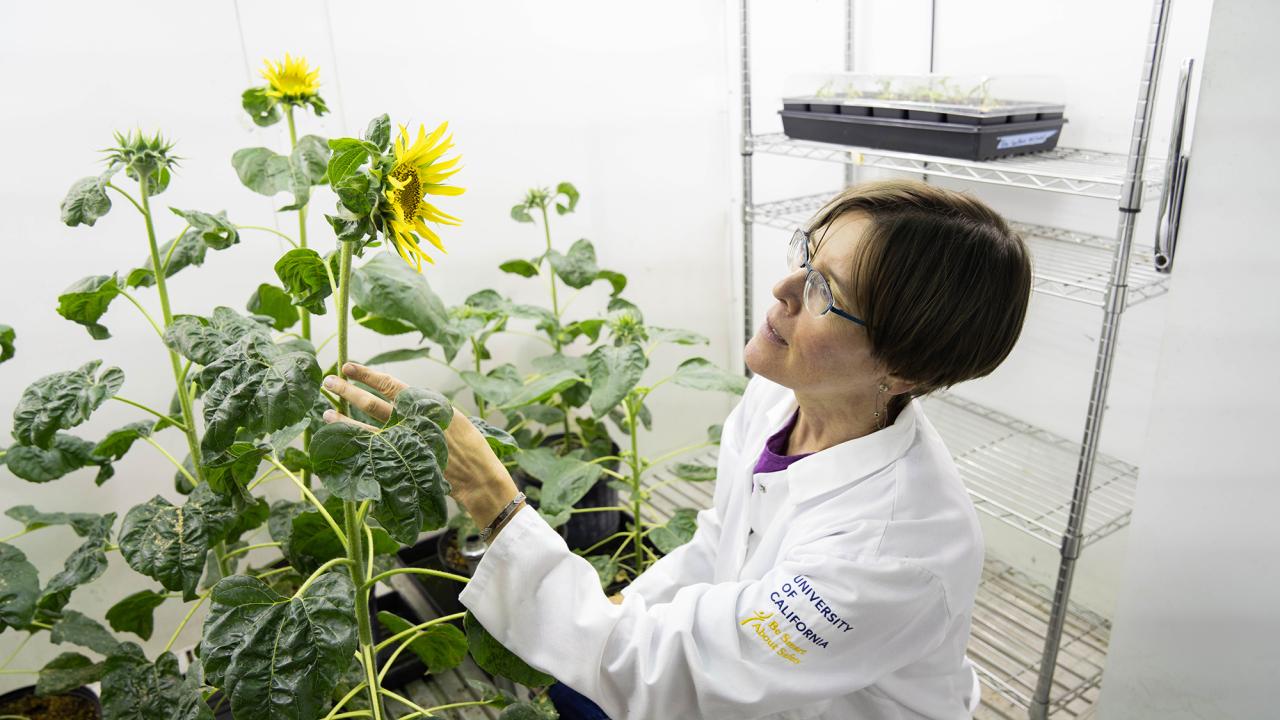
(772,335)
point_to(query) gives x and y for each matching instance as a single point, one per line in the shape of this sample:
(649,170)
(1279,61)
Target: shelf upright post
(1129,206)
(748,324)
(848,66)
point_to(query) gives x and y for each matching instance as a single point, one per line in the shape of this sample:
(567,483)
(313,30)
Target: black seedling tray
(926,137)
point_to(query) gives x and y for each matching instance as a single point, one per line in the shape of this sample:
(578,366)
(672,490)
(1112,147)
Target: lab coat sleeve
(818,626)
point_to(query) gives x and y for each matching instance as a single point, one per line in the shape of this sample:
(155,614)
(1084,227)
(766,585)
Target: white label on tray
(1005,142)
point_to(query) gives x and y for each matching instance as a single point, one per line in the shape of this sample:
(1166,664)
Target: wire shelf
(1024,476)
(1070,265)
(1088,173)
(1010,619)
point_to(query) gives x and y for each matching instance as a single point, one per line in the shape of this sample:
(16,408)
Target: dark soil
(56,707)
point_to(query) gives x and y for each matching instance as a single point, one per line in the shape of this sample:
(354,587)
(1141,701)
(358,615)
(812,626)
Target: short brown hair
(939,278)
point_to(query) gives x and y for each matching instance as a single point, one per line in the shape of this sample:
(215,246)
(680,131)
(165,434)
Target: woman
(834,576)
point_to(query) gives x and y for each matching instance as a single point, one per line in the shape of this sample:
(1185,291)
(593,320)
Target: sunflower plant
(291,637)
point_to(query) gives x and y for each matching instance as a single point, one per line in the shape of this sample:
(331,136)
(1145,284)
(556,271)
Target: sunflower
(419,171)
(291,81)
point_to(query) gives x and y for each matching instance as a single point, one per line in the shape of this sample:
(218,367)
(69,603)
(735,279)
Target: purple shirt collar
(772,458)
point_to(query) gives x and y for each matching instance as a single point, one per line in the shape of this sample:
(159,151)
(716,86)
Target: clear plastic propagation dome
(973,99)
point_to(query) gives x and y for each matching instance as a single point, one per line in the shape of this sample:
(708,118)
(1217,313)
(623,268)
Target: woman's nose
(790,290)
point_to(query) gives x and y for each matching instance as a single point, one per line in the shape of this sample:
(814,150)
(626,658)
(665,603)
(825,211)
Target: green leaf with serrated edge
(66,672)
(303,275)
(7,336)
(62,400)
(84,524)
(262,171)
(168,543)
(86,300)
(345,158)
(565,479)
(440,647)
(78,629)
(135,689)
(694,472)
(67,453)
(87,200)
(616,280)
(578,268)
(275,303)
(678,530)
(702,374)
(261,107)
(606,568)
(676,336)
(542,387)
(387,287)
(279,658)
(190,251)
(84,565)
(136,613)
(311,542)
(378,132)
(500,441)
(230,471)
(399,356)
(202,340)
(523,268)
(495,387)
(495,659)
(570,194)
(400,466)
(614,372)
(215,230)
(118,441)
(256,386)
(19,588)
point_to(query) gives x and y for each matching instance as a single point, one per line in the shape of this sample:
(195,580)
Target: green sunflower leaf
(19,588)
(202,340)
(7,336)
(216,231)
(84,565)
(262,170)
(87,200)
(257,386)
(496,386)
(694,472)
(169,543)
(66,672)
(262,108)
(279,658)
(542,387)
(491,656)
(135,689)
(578,268)
(190,251)
(440,647)
(62,400)
(345,158)
(67,453)
(303,275)
(676,336)
(500,441)
(87,300)
(78,629)
(273,302)
(379,132)
(606,568)
(678,530)
(702,374)
(565,479)
(614,372)
(311,542)
(570,194)
(523,268)
(136,613)
(84,524)
(400,467)
(118,441)
(402,355)
(387,287)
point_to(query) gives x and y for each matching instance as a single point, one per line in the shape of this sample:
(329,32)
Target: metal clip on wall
(1175,176)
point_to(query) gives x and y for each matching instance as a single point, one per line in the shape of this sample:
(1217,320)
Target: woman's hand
(479,481)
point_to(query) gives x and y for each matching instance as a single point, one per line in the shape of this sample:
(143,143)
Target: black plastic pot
(438,552)
(947,139)
(583,529)
(220,705)
(86,698)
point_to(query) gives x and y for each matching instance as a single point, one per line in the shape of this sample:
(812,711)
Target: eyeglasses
(817,292)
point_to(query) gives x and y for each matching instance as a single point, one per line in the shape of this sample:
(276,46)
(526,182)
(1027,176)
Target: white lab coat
(853,603)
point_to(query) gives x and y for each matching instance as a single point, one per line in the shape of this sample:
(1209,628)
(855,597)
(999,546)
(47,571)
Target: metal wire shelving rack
(1038,652)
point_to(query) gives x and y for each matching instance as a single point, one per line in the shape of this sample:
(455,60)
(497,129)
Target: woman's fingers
(332,416)
(386,384)
(369,403)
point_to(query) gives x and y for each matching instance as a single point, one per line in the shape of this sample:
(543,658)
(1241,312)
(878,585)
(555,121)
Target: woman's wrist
(484,505)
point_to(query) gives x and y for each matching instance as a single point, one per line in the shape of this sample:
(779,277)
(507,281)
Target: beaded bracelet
(502,516)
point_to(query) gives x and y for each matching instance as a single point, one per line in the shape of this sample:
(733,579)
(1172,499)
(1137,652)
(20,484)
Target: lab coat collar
(849,461)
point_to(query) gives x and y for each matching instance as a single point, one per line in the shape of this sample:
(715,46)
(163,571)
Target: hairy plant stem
(303,315)
(188,415)
(637,536)
(354,518)
(555,337)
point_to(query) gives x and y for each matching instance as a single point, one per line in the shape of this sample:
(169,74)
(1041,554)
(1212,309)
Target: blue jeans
(573,706)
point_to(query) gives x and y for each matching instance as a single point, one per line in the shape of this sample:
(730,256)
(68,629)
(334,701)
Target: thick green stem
(637,538)
(188,414)
(303,315)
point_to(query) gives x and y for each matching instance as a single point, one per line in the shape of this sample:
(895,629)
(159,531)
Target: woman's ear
(897,385)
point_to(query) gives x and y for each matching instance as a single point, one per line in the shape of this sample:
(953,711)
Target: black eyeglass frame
(800,242)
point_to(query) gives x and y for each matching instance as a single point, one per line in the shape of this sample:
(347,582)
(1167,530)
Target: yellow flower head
(419,171)
(291,80)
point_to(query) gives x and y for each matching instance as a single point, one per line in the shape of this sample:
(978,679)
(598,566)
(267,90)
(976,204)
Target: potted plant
(295,639)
